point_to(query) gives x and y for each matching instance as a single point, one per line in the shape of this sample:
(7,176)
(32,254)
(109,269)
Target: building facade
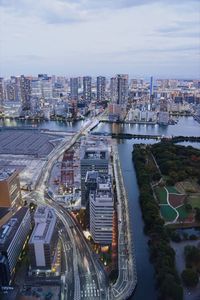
(101,211)
(25,91)
(10,193)
(13,236)
(87,89)
(94,157)
(119,97)
(74,89)
(101,88)
(43,240)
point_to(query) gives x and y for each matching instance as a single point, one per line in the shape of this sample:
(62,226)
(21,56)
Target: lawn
(183,213)
(194,200)
(168,213)
(172,189)
(189,186)
(161,194)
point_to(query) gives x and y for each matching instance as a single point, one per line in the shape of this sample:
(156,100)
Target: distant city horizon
(144,77)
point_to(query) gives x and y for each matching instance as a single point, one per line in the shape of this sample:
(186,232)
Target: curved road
(89,279)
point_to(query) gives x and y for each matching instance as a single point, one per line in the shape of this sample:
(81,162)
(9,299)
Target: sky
(100,37)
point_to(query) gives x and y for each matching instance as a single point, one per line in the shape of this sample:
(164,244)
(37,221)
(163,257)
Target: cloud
(163,49)
(54,11)
(73,36)
(70,11)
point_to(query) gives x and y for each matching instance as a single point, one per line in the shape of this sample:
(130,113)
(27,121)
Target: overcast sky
(81,37)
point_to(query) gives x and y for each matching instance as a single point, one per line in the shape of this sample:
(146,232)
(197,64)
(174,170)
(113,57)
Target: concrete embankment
(127,275)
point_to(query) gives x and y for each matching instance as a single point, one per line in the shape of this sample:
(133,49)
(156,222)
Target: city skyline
(69,38)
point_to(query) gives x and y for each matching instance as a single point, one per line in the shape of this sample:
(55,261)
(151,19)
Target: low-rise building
(10,194)
(43,241)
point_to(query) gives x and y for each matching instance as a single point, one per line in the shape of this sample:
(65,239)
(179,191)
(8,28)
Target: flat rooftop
(6,172)
(45,221)
(27,142)
(9,229)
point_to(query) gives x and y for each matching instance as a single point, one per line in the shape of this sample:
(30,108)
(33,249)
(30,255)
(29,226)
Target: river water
(186,126)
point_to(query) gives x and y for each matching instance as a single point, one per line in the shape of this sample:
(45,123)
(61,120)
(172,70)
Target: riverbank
(126,282)
(161,254)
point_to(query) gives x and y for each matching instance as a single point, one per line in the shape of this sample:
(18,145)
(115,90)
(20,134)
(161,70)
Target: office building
(101,88)
(47,89)
(67,169)
(74,88)
(163,118)
(119,97)
(36,88)
(43,240)
(87,89)
(122,89)
(25,90)
(163,104)
(1,90)
(10,194)
(151,87)
(13,236)
(101,210)
(94,157)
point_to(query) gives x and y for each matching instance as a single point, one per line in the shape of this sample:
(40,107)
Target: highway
(93,283)
(88,279)
(84,276)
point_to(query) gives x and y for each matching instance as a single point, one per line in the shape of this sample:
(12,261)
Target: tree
(188,207)
(170,289)
(190,277)
(192,256)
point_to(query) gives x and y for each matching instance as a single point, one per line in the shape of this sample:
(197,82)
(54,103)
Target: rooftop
(26,142)
(9,229)
(94,148)
(45,221)
(6,172)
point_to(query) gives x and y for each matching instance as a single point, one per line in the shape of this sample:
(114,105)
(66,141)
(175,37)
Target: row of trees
(190,275)
(161,253)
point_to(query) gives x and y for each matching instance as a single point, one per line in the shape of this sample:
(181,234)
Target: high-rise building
(25,89)
(101,210)
(122,89)
(13,236)
(113,89)
(43,240)
(119,97)
(10,194)
(1,91)
(87,89)
(47,89)
(101,88)
(67,169)
(163,113)
(74,88)
(94,157)
(36,88)
(12,89)
(151,86)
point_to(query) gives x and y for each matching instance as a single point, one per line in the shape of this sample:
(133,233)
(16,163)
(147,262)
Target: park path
(177,213)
